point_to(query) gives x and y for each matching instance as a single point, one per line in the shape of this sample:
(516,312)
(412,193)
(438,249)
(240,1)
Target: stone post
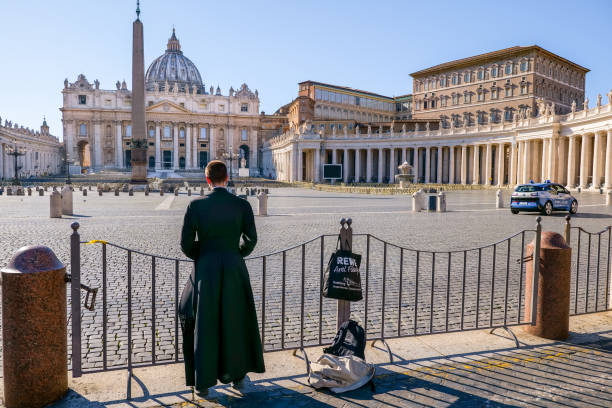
(189,192)
(41,192)
(29,191)
(131,192)
(34,335)
(116,191)
(262,208)
(553,288)
(201,191)
(161,191)
(55,201)
(67,205)
(176,191)
(441,202)
(84,192)
(9,191)
(416,202)
(609,198)
(499,202)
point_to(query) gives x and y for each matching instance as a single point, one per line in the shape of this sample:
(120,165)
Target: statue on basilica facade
(97,84)
(527,112)
(357,131)
(212,90)
(242,163)
(586,104)
(66,83)
(404,128)
(123,86)
(231,91)
(574,106)
(118,85)
(369,129)
(427,126)
(598,100)
(156,87)
(610,97)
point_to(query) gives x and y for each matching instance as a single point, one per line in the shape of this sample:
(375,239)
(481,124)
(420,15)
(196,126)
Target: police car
(545,197)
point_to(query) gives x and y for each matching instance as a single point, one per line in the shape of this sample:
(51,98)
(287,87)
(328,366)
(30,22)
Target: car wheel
(513,211)
(573,207)
(548,208)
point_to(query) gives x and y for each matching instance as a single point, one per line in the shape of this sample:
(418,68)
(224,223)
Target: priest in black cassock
(220,331)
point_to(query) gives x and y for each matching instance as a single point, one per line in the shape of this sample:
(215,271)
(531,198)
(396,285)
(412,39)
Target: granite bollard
(116,192)
(147,190)
(131,192)
(441,202)
(84,192)
(189,192)
(499,199)
(9,191)
(55,203)
(176,191)
(262,207)
(29,191)
(553,291)
(41,192)
(67,205)
(609,198)
(34,335)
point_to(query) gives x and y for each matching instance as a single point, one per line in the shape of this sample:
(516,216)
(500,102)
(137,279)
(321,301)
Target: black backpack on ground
(349,341)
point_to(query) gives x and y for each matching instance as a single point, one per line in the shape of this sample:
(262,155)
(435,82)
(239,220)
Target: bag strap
(338,242)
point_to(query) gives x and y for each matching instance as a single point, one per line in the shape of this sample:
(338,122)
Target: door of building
(203,159)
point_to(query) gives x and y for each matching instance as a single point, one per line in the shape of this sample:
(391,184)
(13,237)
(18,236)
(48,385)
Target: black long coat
(220,332)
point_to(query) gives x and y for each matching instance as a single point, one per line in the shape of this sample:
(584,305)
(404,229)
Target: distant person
(220,331)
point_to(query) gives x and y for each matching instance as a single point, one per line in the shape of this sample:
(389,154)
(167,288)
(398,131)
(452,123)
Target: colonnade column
(526,163)
(2,175)
(427,164)
(552,160)
(195,137)
(345,165)
(464,156)
(404,149)
(451,165)
(596,160)
(357,165)
(211,147)
(512,174)
(300,164)
(369,165)
(500,164)
(317,163)
(439,164)
(583,164)
(415,164)
(608,182)
(543,162)
(119,147)
(488,164)
(381,159)
(476,165)
(392,165)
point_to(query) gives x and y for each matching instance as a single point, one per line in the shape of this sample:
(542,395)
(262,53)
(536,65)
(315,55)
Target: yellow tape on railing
(96,241)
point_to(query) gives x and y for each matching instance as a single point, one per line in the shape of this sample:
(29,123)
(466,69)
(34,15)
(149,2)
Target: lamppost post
(231,156)
(16,153)
(67,167)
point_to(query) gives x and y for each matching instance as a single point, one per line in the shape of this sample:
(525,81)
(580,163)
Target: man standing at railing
(220,331)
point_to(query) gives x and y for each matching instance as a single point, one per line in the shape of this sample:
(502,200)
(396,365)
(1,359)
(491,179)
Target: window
(244,135)
(244,107)
(508,91)
(150,103)
(467,97)
(221,108)
(82,129)
(455,99)
(167,134)
(454,80)
(480,95)
(339,126)
(151,132)
(508,115)
(480,75)
(182,133)
(509,68)
(442,81)
(467,77)
(524,66)
(82,99)
(128,131)
(523,89)
(494,94)
(481,118)
(202,133)
(182,104)
(424,104)
(493,117)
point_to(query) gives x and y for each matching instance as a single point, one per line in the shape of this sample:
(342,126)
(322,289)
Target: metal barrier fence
(407,292)
(590,288)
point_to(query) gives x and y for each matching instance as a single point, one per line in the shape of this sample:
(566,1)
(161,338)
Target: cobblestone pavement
(561,375)
(462,282)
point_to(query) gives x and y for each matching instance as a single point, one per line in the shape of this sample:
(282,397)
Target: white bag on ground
(340,374)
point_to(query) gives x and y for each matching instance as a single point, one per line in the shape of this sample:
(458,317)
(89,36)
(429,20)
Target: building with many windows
(187,126)
(42,151)
(496,86)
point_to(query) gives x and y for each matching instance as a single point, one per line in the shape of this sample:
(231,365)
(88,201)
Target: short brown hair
(216,171)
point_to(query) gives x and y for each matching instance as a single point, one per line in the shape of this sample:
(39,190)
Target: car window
(528,188)
(562,189)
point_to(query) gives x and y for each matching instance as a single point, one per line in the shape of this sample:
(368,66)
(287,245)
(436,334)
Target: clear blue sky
(273,45)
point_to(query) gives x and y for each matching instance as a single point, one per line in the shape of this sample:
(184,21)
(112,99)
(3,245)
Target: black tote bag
(342,279)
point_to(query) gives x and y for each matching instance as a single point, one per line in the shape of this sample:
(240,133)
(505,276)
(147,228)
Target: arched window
(82,129)
(167,134)
(151,132)
(524,65)
(494,71)
(455,80)
(508,68)
(128,131)
(244,135)
(203,133)
(182,133)
(467,77)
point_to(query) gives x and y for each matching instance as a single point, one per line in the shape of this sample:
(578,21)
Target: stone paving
(152,225)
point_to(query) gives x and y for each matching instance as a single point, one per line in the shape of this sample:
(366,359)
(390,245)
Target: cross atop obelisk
(139,140)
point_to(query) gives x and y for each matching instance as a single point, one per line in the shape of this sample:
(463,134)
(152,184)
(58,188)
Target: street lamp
(15,152)
(67,166)
(231,156)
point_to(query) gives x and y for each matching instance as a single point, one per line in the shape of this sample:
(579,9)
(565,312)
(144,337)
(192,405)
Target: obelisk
(139,139)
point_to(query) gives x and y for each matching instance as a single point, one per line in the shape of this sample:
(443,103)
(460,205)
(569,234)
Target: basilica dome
(173,68)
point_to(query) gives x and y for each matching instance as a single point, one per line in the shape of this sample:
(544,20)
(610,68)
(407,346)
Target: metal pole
(75,298)
(536,272)
(346,244)
(567,230)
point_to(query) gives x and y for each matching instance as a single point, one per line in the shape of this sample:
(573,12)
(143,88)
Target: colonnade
(576,160)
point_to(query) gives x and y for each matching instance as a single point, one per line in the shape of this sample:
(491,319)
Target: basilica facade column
(392,165)
(357,165)
(195,136)
(526,163)
(317,164)
(2,171)
(544,160)
(97,146)
(157,146)
(119,146)
(369,158)
(300,164)
(608,162)
(212,148)
(488,164)
(188,164)
(175,148)
(345,165)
